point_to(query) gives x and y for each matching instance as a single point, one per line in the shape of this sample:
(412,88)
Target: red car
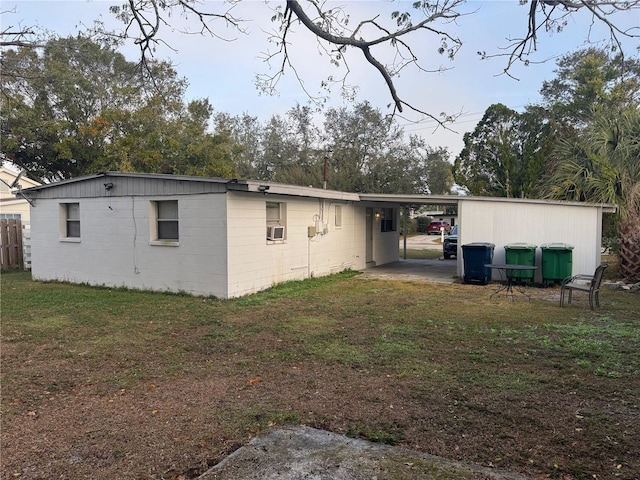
(436,226)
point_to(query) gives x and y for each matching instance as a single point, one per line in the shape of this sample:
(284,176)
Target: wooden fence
(11,250)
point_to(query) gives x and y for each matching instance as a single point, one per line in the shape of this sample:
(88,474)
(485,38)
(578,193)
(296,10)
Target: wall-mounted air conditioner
(275,233)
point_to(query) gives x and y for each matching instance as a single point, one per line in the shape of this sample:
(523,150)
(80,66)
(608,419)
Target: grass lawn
(423,254)
(111,384)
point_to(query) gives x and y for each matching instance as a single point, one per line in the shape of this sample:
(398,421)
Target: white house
(14,207)
(228,238)
(205,236)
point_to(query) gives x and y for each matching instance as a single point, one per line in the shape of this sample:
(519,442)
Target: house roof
(455,199)
(7,177)
(410,199)
(223,184)
(158,176)
(264,187)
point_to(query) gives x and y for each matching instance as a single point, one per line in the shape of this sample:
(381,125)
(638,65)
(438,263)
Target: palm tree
(603,166)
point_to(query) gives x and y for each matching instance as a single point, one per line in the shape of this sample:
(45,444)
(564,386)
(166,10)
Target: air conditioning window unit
(275,233)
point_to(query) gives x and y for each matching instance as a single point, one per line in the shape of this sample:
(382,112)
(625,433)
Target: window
(70,216)
(10,216)
(338,222)
(276,221)
(166,220)
(387,220)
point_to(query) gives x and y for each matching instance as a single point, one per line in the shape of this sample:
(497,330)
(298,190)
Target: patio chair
(584,283)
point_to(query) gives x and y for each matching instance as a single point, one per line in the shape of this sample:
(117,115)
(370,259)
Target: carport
(503,221)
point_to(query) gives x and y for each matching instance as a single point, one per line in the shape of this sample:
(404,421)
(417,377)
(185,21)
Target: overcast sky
(224,71)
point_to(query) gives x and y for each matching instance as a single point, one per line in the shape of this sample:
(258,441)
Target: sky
(224,69)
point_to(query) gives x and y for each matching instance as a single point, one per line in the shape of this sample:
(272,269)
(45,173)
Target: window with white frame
(70,220)
(338,216)
(165,224)
(388,220)
(276,221)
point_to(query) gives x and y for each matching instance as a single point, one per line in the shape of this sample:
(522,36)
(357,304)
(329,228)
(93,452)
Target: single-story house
(228,238)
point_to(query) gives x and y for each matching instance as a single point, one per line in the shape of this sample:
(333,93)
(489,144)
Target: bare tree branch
(144,20)
(552,15)
(430,21)
(324,29)
(17,43)
(17,37)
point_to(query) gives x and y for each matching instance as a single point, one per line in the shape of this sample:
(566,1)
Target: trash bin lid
(556,246)
(520,246)
(479,245)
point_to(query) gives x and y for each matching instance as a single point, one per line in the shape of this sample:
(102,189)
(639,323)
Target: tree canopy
(589,79)
(509,153)
(79,107)
(358,149)
(505,154)
(602,165)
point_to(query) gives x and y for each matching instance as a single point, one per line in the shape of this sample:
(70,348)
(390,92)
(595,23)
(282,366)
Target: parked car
(436,225)
(450,244)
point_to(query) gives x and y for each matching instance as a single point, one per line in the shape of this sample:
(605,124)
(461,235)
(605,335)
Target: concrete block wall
(115,247)
(256,264)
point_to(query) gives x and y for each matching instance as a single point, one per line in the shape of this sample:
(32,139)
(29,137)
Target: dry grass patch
(106,383)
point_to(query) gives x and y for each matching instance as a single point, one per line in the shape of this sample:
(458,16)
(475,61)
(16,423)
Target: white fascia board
(267,188)
(410,199)
(606,207)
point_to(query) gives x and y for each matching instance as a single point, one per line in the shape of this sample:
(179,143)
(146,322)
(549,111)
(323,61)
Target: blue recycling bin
(475,256)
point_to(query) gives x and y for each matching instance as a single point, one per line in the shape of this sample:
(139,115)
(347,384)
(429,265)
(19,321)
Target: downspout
(308,256)
(404,233)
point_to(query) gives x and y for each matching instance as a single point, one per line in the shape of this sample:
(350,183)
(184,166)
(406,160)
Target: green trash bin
(521,254)
(557,262)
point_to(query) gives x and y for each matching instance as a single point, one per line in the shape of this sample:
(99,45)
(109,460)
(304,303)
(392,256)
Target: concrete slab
(298,453)
(439,271)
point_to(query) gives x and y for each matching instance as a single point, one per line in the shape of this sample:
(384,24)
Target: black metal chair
(584,283)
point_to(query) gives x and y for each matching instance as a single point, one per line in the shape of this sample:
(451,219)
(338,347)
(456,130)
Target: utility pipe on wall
(405,211)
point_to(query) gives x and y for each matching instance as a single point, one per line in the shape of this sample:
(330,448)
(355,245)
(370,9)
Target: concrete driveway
(431,242)
(439,271)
